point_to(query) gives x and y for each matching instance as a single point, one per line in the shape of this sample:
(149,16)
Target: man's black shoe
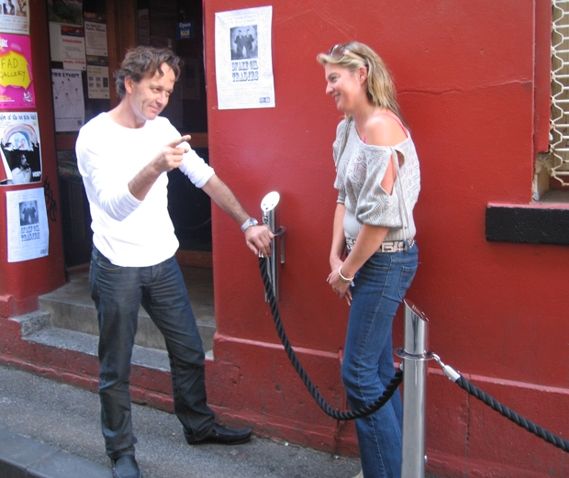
(222,435)
(125,466)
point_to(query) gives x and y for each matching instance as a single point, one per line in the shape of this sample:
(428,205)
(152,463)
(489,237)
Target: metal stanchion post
(268,207)
(415,357)
(270,220)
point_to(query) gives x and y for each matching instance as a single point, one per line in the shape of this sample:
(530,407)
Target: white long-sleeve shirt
(129,232)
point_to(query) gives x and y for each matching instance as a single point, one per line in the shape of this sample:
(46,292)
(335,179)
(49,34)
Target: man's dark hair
(144,61)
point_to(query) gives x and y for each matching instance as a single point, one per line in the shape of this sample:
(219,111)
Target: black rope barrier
(312,389)
(507,412)
(512,415)
(366,410)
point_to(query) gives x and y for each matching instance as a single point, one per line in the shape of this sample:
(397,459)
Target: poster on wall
(98,82)
(243,58)
(16,80)
(14,16)
(68,104)
(28,230)
(67,45)
(96,39)
(20,147)
(66,33)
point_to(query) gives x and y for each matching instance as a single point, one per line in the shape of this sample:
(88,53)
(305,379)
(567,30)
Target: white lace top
(359,172)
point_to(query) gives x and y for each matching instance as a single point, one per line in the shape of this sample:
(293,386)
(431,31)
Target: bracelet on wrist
(343,278)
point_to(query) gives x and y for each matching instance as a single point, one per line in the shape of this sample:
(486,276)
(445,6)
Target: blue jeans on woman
(379,287)
(118,293)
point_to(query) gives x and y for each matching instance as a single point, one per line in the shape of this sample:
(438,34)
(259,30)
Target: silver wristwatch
(251,221)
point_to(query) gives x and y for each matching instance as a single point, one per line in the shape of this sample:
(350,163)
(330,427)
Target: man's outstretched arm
(258,238)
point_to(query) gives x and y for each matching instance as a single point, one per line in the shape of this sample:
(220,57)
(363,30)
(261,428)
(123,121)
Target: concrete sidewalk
(51,430)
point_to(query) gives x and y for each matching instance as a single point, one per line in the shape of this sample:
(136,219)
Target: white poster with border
(243,58)
(67,45)
(68,100)
(27,226)
(96,39)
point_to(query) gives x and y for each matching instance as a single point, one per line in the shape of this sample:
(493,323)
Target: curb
(24,457)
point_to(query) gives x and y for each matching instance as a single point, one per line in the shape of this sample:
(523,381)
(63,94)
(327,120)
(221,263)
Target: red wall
(22,282)
(476,99)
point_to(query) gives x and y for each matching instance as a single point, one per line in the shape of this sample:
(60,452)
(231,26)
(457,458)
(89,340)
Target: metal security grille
(559,133)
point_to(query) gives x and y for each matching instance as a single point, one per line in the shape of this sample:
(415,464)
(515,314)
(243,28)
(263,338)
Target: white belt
(386,246)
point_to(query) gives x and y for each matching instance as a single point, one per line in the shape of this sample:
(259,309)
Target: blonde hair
(353,55)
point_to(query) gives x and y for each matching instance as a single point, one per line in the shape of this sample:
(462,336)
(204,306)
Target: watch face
(248,223)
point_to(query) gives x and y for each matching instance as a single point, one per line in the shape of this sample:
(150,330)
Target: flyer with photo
(15,16)
(28,229)
(243,58)
(20,147)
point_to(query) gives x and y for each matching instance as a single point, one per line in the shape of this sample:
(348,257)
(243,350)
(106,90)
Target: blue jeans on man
(118,293)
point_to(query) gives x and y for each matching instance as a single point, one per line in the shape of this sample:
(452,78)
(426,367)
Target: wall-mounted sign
(67,45)
(243,58)
(98,82)
(27,227)
(96,39)
(68,100)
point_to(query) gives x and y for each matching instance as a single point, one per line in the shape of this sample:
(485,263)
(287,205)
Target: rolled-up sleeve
(375,206)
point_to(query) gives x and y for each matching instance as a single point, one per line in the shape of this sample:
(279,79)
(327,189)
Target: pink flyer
(16,81)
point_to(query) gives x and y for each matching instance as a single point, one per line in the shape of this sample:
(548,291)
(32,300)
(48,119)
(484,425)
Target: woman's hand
(335,263)
(340,286)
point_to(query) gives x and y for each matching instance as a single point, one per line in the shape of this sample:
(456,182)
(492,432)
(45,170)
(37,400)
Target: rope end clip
(450,372)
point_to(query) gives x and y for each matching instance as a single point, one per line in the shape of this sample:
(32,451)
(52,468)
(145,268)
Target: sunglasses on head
(339,49)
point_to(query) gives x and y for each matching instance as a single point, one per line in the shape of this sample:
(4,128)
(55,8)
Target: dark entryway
(176,24)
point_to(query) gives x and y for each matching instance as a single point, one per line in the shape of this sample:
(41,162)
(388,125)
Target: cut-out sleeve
(375,206)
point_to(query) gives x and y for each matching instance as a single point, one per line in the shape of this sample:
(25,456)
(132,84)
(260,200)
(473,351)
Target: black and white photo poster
(27,226)
(243,58)
(20,148)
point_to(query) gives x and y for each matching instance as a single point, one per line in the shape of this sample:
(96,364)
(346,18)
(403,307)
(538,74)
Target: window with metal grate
(559,130)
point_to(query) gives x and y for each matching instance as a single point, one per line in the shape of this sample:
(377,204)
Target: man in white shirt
(123,156)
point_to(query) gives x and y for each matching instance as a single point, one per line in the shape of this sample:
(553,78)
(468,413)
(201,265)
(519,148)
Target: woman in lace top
(373,256)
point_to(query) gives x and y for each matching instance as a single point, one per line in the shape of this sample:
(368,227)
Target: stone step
(87,344)
(36,328)
(71,307)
